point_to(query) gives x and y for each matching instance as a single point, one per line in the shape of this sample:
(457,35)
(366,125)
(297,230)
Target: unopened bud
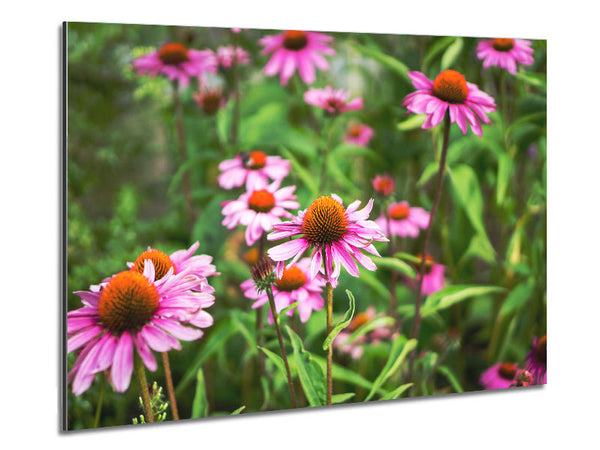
(262,273)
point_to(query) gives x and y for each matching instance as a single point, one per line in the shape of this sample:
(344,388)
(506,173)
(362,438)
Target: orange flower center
(384,185)
(261,201)
(325,221)
(507,370)
(503,45)
(355,131)
(292,279)
(295,40)
(451,87)
(128,302)
(254,160)
(540,350)
(428,263)
(161,261)
(173,53)
(359,320)
(398,211)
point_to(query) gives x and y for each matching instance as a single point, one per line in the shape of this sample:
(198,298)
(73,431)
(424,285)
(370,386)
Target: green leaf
(429,171)
(339,176)
(400,349)
(309,371)
(505,168)
(342,323)
(341,398)
(261,126)
(237,411)
(287,308)
(479,247)
(452,295)
(344,150)
(518,297)
(451,53)
(369,278)
(413,122)
(438,46)
(387,60)
(408,257)
(468,194)
(217,339)
(534,79)
(377,322)
(340,373)
(396,393)
(451,378)
(200,404)
(396,264)
(276,359)
(309,180)
(239,325)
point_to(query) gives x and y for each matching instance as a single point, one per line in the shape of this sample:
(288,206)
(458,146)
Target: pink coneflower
(294,286)
(499,376)
(505,53)
(383,184)
(404,220)
(252,168)
(180,261)
(210,100)
(226,56)
(449,91)
(359,134)
(177,62)
(293,49)
(336,234)
(355,348)
(433,280)
(535,361)
(332,101)
(259,209)
(131,312)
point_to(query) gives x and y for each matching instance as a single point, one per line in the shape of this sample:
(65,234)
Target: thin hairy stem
(414,334)
(140,376)
(281,346)
(170,389)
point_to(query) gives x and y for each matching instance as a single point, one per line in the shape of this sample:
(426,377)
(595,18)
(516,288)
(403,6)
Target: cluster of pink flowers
(508,374)
(159,301)
(177,62)
(262,204)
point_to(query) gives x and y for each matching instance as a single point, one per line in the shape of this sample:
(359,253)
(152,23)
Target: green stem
(329,290)
(169,378)
(140,375)
(324,153)
(183,155)
(281,346)
(393,304)
(100,401)
(236,94)
(438,193)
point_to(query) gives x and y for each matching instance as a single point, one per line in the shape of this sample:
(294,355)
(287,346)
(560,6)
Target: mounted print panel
(260,220)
